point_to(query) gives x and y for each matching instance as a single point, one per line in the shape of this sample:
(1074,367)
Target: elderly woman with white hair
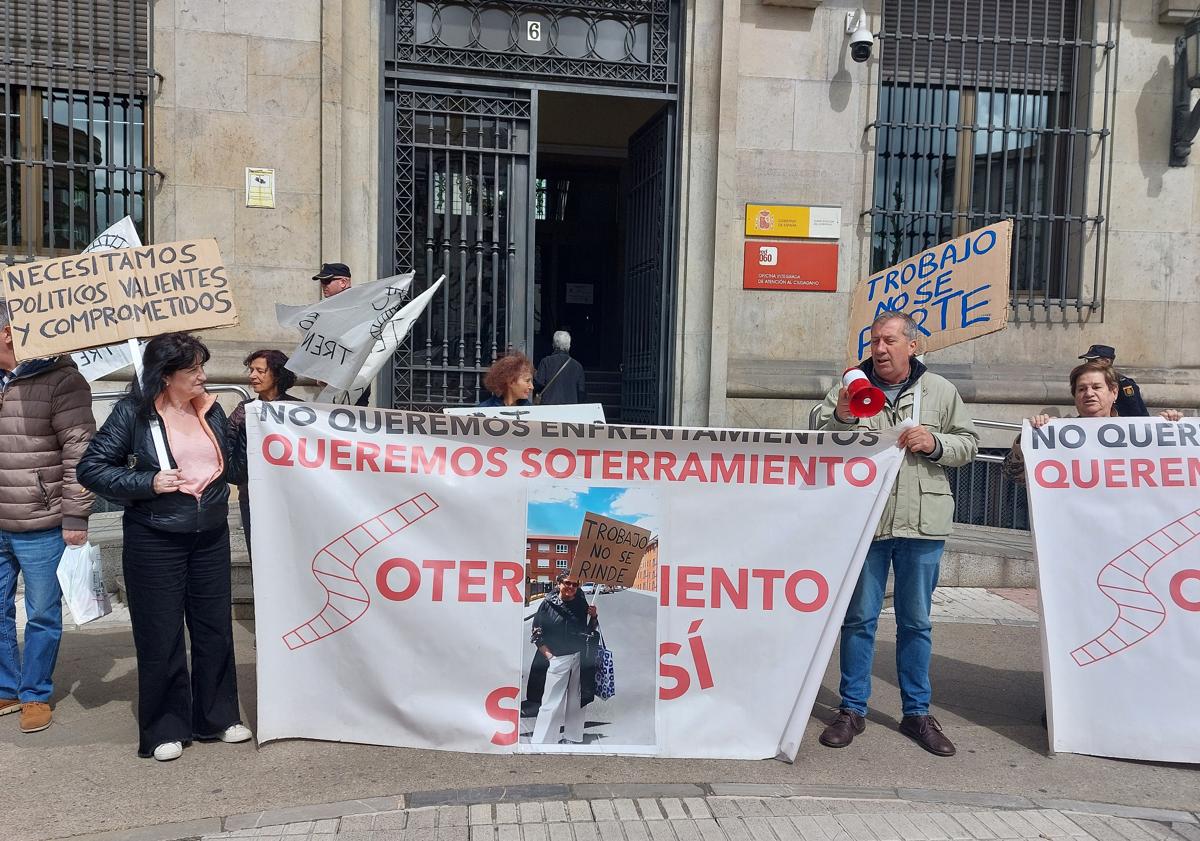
(559,378)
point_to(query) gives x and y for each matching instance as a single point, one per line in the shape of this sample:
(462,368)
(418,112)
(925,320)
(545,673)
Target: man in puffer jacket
(911,534)
(46,424)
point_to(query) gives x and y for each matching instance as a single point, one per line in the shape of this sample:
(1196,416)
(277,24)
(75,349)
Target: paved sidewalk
(718,813)
(82,777)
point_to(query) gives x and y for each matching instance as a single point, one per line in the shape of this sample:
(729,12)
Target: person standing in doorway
(559,378)
(46,424)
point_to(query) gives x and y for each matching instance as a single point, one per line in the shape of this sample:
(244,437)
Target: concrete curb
(1184,823)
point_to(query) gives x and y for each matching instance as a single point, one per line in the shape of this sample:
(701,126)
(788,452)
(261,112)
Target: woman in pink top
(176,552)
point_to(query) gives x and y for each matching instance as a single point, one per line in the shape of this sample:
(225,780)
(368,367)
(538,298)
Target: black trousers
(172,579)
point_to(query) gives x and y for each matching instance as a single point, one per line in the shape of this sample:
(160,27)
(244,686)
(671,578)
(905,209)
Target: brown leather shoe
(35,716)
(9,705)
(842,730)
(926,732)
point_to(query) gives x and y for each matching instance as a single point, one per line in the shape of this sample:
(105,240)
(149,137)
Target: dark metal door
(460,200)
(649,266)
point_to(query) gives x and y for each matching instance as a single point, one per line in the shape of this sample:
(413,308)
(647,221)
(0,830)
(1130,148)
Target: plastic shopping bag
(82,580)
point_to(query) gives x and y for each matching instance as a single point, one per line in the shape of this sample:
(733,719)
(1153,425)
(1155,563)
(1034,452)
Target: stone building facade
(767,107)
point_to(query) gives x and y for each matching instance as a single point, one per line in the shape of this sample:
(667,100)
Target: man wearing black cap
(1129,397)
(334,278)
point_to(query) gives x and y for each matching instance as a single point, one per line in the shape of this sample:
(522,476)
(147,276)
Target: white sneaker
(236,733)
(168,751)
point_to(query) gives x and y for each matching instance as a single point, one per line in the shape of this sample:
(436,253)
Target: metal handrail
(240,390)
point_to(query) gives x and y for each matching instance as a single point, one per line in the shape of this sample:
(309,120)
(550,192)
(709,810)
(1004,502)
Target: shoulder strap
(556,373)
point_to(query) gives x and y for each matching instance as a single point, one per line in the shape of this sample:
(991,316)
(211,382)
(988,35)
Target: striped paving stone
(725,818)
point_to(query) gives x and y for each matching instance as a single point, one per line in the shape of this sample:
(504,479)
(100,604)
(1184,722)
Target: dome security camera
(861,39)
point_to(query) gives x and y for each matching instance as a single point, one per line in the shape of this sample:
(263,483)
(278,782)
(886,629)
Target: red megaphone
(866,401)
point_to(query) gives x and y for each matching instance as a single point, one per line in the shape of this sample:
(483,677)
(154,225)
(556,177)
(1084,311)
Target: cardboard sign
(609,551)
(100,298)
(793,220)
(956,291)
(790,266)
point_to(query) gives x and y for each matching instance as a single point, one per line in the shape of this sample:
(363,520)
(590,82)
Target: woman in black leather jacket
(176,544)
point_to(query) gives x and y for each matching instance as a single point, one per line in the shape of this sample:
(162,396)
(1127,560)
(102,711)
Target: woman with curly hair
(510,380)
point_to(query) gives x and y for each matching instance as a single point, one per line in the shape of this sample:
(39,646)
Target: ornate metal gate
(460,199)
(648,260)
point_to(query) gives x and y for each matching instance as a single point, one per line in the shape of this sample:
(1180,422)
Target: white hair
(562,340)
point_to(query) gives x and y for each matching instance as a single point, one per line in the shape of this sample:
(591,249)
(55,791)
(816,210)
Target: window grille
(997,109)
(75,122)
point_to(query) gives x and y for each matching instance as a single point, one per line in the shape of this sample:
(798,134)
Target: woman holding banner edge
(176,544)
(1094,388)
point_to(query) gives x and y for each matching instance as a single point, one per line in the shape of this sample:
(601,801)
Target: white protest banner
(340,332)
(1116,517)
(100,298)
(570,412)
(390,337)
(101,361)
(955,292)
(392,595)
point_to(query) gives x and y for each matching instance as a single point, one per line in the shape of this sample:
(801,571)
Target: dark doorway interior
(582,208)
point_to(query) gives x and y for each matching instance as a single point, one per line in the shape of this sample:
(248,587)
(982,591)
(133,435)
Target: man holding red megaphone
(886,390)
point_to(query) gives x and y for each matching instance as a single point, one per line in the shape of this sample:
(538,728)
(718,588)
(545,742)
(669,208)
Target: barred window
(996,109)
(74,138)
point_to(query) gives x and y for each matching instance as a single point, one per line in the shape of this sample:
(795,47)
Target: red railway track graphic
(1123,582)
(346,599)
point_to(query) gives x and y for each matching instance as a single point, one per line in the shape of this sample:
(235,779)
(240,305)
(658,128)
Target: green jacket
(921,504)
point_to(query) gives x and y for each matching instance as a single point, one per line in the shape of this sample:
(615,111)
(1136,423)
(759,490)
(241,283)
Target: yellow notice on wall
(799,221)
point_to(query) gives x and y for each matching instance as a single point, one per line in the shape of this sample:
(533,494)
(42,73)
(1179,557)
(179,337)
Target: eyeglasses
(574,584)
(325,281)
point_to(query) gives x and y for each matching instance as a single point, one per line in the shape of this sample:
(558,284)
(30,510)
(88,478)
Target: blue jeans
(36,555)
(916,564)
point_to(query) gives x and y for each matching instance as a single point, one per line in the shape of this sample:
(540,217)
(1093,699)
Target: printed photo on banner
(596,689)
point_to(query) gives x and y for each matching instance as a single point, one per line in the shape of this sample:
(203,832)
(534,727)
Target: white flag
(95,363)
(340,332)
(391,336)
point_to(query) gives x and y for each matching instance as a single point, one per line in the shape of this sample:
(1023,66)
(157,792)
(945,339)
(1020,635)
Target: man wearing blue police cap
(1129,397)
